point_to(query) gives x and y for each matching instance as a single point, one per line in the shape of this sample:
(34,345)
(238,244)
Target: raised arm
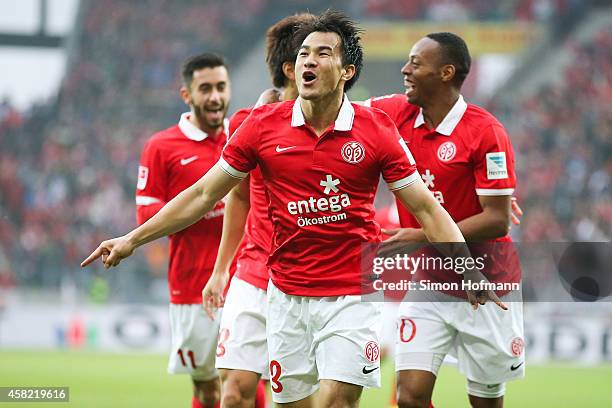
(182,211)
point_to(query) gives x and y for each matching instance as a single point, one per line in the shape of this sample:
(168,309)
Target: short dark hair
(454,52)
(280,46)
(196,62)
(332,21)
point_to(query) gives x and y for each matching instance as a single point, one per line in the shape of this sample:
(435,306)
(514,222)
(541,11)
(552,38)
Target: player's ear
(289,70)
(185,95)
(348,72)
(447,73)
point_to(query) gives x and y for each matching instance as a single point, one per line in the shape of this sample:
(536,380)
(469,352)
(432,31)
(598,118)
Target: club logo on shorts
(447,151)
(372,351)
(353,152)
(517,346)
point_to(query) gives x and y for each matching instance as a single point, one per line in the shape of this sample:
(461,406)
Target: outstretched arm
(182,211)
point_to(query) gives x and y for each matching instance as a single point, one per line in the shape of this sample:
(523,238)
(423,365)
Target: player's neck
(321,113)
(438,107)
(290,92)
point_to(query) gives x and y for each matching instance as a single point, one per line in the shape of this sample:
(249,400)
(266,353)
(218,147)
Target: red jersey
(468,155)
(320,189)
(171,161)
(255,249)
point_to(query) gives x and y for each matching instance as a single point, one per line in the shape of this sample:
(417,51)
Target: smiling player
(173,160)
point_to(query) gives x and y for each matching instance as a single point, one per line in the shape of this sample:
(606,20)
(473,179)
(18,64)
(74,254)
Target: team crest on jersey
(143,175)
(447,151)
(372,351)
(353,152)
(517,346)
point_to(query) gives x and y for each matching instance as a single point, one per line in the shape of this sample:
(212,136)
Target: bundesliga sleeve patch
(496,166)
(143,175)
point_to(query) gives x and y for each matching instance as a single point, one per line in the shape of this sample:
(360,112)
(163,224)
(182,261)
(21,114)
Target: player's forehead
(212,76)
(425,49)
(319,40)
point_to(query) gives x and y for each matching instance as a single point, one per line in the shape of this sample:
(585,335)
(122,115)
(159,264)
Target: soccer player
(242,352)
(321,158)
(173,160)
(465,158)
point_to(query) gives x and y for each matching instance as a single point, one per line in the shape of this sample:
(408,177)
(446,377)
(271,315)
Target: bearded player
(173,160)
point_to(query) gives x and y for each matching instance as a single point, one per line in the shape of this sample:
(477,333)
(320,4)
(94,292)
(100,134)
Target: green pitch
(102,380)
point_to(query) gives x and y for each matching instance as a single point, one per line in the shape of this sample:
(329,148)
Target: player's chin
(215,123)
(412,98)
(211,121)
(309,94)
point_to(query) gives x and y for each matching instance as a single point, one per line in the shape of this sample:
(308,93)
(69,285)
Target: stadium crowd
(562,139)
(68,170)
(466,10)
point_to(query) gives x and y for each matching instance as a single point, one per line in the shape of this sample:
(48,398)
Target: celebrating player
(173,160)
(321,158)
(242,354)
(465,158)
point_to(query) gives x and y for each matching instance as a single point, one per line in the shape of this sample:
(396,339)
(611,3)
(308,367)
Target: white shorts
(321,338)
(242,337)
(389,328)
(488,342)
(194,342)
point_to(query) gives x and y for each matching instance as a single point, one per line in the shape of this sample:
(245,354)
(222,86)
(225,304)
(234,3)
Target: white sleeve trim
(226,167)
(405,182)
(145,200)
(494,191)
(402,143)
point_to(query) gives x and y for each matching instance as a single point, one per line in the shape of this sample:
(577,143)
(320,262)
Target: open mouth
(308,78)
(216,112)
(409,86)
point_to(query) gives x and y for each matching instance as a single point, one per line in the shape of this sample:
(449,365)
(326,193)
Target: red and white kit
(173,160)
(468,155)
(242,340)
(320,192)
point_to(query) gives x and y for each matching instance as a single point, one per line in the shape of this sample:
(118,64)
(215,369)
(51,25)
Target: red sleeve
(392,105)
(151,187)
(237,119)
(397,164)
(493,160)
(239,156)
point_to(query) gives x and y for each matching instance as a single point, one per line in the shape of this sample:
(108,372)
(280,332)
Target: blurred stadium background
(84,83)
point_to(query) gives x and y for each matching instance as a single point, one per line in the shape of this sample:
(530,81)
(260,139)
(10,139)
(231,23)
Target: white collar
(193,132)
(344,121)
(451,120)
